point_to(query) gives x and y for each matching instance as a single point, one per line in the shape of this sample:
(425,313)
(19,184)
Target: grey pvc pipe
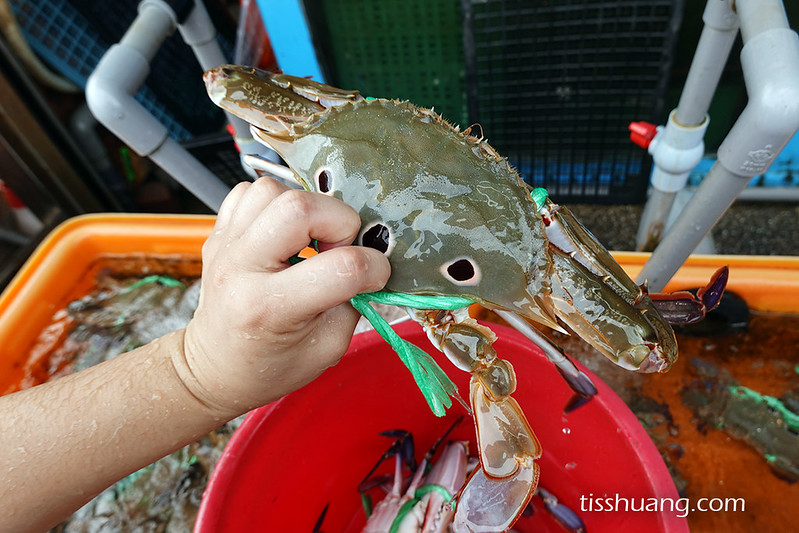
(715,42)
(770,62)
(198,32)
(718,191)
(758,16)
(652,226)
(707,65)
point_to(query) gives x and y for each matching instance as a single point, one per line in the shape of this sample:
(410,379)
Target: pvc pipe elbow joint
(676,150)
(197,29)
(770,62)
(109,95)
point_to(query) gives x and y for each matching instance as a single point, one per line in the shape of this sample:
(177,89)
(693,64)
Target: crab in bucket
(460,226)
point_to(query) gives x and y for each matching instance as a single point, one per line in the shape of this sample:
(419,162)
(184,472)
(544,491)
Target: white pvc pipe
(154,22)
(652,225)
(679,147)
(676,150)
(769,194)
(109,94)
(758,16)
(718,191)
(770,62)
(763,194)
(198,32)
(715,42)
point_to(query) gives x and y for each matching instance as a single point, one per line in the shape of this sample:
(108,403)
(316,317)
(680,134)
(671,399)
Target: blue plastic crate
(60,35)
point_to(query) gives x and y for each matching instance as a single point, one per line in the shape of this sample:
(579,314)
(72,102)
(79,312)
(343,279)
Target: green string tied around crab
(434,384)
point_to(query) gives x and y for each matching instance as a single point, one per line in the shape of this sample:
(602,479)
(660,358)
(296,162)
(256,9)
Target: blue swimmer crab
(455,219)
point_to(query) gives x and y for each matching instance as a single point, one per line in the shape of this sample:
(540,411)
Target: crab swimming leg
(500,488)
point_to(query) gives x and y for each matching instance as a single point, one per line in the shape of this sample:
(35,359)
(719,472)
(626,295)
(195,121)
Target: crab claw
(685,308)
(711,293)
(563,514)
(402,448)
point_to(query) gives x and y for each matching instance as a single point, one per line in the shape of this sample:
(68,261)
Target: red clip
(11,198)
(642,133)
(232,131)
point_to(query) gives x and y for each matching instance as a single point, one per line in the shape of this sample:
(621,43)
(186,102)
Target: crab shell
(451,215)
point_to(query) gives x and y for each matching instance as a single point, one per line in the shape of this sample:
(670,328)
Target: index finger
(333,277)
(289,223)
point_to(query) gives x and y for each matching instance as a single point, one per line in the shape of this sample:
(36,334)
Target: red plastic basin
(292,458)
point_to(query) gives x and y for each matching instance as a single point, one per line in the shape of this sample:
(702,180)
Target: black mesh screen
(555,84)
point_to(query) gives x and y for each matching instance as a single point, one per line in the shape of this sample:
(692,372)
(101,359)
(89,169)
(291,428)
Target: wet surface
(724,419)
(119,305)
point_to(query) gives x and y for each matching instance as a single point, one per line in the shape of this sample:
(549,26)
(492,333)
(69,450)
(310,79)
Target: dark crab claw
(402,447)
(563,514)
(684,308)
(428,457)
(583,388)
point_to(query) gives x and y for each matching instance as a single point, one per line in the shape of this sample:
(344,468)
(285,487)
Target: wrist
(184,353)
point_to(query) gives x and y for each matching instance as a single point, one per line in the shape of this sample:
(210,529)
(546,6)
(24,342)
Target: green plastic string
(366,502)
(403,511)
(435,385)
(424,489)
(418,301)
(166,281)
(791,418)
(539,196)
(408,506)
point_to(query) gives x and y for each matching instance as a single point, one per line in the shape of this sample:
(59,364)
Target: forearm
(65,441)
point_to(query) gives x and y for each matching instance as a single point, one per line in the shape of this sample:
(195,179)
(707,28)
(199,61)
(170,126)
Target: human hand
(263,328)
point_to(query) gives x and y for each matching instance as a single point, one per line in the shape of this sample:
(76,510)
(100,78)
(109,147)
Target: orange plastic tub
(63,267)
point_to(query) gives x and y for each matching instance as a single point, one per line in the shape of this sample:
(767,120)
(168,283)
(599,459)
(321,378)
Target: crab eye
(462,271)
(377,236)
(324,180)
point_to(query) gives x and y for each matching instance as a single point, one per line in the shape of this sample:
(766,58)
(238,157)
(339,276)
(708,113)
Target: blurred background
(554,86)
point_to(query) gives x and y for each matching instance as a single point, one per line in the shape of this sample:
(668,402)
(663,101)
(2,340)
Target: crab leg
(563,514)
(262,166)
(426,505)
(582,386)
(500,488)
